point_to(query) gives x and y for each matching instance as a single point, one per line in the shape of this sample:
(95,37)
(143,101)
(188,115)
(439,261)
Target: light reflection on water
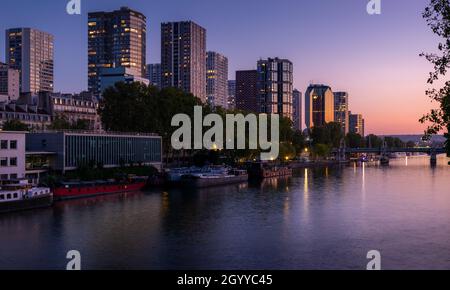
(321,218)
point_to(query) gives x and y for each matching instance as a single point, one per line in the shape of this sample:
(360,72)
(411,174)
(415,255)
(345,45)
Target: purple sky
(374,58)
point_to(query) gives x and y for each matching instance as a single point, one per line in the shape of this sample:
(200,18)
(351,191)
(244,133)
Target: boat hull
(27,204)
(89,191)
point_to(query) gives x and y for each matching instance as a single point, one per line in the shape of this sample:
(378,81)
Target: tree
(14,125)
(354,140)
(299,141)
(329,134)
(61,122)
(437,15)
(373,141)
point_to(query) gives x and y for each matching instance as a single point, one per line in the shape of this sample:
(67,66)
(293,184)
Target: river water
(324,218)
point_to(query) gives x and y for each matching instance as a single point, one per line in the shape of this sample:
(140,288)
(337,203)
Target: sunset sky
(375,58)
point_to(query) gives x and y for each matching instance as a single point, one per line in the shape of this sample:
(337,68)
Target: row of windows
(8,177)
(12,144)
(4,161)
(111,150)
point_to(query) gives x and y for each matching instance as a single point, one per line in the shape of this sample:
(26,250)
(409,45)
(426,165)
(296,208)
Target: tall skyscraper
(183,57)
(31,52)
(217,79)
(356,124)
(246,90)
(153,74)
(341,106)
(297,109)
(9,83)
(275,86)
(231,94)
(319,106)
(116,39)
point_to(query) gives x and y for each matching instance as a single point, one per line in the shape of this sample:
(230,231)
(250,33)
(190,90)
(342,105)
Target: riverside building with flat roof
(72,149)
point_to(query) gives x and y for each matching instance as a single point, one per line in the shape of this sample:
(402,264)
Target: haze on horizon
(373,57)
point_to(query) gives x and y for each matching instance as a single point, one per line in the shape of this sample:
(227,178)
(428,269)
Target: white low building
(12,155)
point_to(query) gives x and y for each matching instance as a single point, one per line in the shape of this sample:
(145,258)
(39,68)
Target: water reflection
(320,218)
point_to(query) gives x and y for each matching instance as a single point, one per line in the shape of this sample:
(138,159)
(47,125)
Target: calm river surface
(327,218)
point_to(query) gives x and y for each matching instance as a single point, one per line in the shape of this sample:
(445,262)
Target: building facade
(9,83)
(31,115)
(12,155)
(217,79)
(183,57)
(74,107)
(71,150)
(297,110)
(110,76)
(153,74)
(31,52)
(341,105)
(275,87)
(356,124)
(231,94)
(246,90)
(116,39)
(319,106)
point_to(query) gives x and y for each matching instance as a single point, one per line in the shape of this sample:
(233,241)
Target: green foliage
(354,140)
(61,122)
(373,141)
(90,172)
(14,125)
(437,15)
(394,142)
(287,151)
(321,150)
(330,134)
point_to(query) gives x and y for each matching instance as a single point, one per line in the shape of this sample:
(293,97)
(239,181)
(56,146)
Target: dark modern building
(341,105)
(297,109)
(217,79)
(153,74)
(275,86)
(70,150)
(110,76)
(319,105)
(231,94)
(30,51)
(356,124)
(183,57)
(246,90)
(116,39)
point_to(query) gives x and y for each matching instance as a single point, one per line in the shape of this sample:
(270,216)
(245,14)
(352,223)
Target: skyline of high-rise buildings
(116,39)
(217,79)
(183,57)
(31,52)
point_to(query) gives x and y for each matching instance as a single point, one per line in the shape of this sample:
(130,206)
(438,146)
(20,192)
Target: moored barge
(20,195)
